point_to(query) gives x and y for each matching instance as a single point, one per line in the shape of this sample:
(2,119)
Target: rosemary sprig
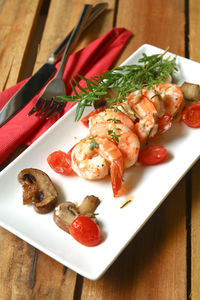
(150,70)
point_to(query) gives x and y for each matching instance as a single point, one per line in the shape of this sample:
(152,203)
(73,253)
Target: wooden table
(162,262)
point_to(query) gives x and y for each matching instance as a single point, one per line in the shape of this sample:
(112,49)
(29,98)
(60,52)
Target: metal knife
(41,77)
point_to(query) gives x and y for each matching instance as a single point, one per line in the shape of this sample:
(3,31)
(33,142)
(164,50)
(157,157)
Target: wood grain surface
(162,262)
(194,26)
(17,23)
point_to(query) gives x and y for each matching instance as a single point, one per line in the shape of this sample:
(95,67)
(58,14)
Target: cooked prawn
(147,124)
(172,97)
(94,157)
(127,141)
(155,98)
(125,108)
(109,115)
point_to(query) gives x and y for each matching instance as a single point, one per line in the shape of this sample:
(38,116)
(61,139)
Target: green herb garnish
(93,144)
(114,120)
(113,134)
(150,70)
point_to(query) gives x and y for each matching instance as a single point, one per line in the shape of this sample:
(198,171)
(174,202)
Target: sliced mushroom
(66,212)
(190,91)
(38,190)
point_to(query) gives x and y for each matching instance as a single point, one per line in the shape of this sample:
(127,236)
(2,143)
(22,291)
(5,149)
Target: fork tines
(46,108)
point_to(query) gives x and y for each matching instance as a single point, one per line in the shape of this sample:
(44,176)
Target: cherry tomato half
(85,231)
(60,162)
(152,155)
(85,120)
(191,115)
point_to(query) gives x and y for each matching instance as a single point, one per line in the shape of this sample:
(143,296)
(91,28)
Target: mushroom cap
(38,189)
(64,214)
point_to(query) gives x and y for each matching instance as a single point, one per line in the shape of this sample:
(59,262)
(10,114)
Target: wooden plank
(195,233)
(53,280)
(154,264)
(17,21)
(26,273)
(151,23)
(16,267)
(56,28)
(194,31)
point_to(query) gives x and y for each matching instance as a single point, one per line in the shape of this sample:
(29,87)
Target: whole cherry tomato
(152,155)
(85,231)
(191,115)
(60,162)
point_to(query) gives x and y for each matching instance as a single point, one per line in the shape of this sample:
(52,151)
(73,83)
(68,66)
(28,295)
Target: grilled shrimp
(147,125)
(127,141)
(109,115)
(155,98)
(172,97)
(94,157)
(125,108)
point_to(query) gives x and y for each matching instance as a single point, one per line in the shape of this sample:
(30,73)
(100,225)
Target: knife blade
(41,77)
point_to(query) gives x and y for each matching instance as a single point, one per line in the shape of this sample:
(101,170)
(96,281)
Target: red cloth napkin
(91,60)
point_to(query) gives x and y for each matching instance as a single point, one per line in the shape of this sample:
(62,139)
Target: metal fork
(48,105)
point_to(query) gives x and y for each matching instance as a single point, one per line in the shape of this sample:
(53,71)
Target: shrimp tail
(116,177)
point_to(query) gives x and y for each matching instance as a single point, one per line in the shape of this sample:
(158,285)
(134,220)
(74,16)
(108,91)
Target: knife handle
(96,11)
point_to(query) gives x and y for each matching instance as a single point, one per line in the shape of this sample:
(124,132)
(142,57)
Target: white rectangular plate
(149,186)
